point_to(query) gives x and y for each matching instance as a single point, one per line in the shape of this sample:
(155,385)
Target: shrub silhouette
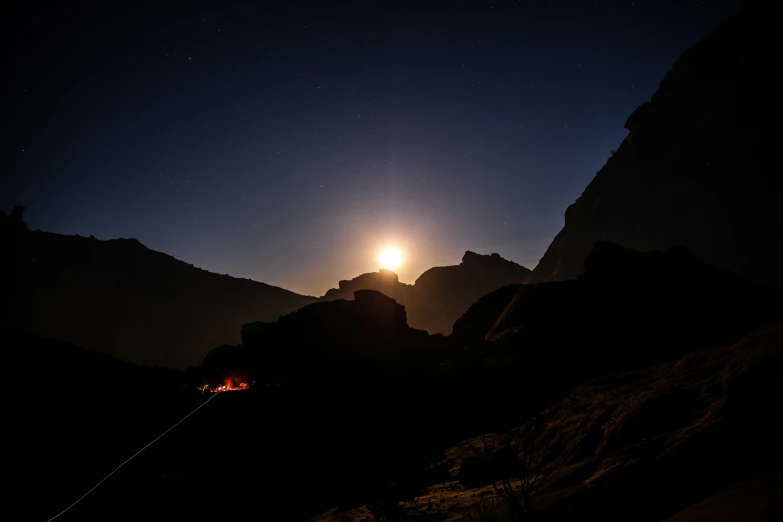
(386,480)
(518,460)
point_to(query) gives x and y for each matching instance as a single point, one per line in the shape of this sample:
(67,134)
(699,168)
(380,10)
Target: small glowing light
(391,258)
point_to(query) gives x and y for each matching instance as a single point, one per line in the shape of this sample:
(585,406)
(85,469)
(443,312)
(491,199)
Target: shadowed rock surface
(754,500)
(644,445)
(666,436)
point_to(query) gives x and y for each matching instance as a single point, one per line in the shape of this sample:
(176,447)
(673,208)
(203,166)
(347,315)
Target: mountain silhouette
(644,370)
(631,379)
(441,294)
(694,170)
(123,299)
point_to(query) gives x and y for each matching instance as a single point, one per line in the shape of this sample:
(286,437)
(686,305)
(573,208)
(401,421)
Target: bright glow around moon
(391,258)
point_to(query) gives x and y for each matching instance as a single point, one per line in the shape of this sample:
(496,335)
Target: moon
(391,258)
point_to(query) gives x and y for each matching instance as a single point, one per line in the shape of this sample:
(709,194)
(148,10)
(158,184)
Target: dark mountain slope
(72,415)
(698,168)
(121,298)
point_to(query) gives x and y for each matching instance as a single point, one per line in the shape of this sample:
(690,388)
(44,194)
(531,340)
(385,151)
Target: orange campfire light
(229,384)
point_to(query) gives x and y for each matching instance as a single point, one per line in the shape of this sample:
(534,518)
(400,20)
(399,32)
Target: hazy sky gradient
(289,145)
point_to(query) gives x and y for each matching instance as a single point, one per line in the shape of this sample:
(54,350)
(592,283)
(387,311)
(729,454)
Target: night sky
(289,144)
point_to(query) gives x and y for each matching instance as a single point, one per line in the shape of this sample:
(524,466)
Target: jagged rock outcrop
(384,281)
(123,299)
(441,294)
(696,169)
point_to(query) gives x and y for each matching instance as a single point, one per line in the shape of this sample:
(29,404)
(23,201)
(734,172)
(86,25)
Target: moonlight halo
(390,258)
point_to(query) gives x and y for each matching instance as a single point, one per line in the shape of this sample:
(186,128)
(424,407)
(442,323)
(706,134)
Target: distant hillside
(441,294)
(123,299)
(120,298)
(697,168)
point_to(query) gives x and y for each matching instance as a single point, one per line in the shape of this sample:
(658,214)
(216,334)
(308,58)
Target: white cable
(132,456)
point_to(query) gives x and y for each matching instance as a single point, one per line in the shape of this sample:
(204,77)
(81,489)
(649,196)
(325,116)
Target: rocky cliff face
(698,166)
(441,294)
(123,299)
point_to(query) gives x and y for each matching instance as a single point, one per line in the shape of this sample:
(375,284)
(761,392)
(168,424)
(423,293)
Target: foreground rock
(645,445)
(338,340)
(755,500)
